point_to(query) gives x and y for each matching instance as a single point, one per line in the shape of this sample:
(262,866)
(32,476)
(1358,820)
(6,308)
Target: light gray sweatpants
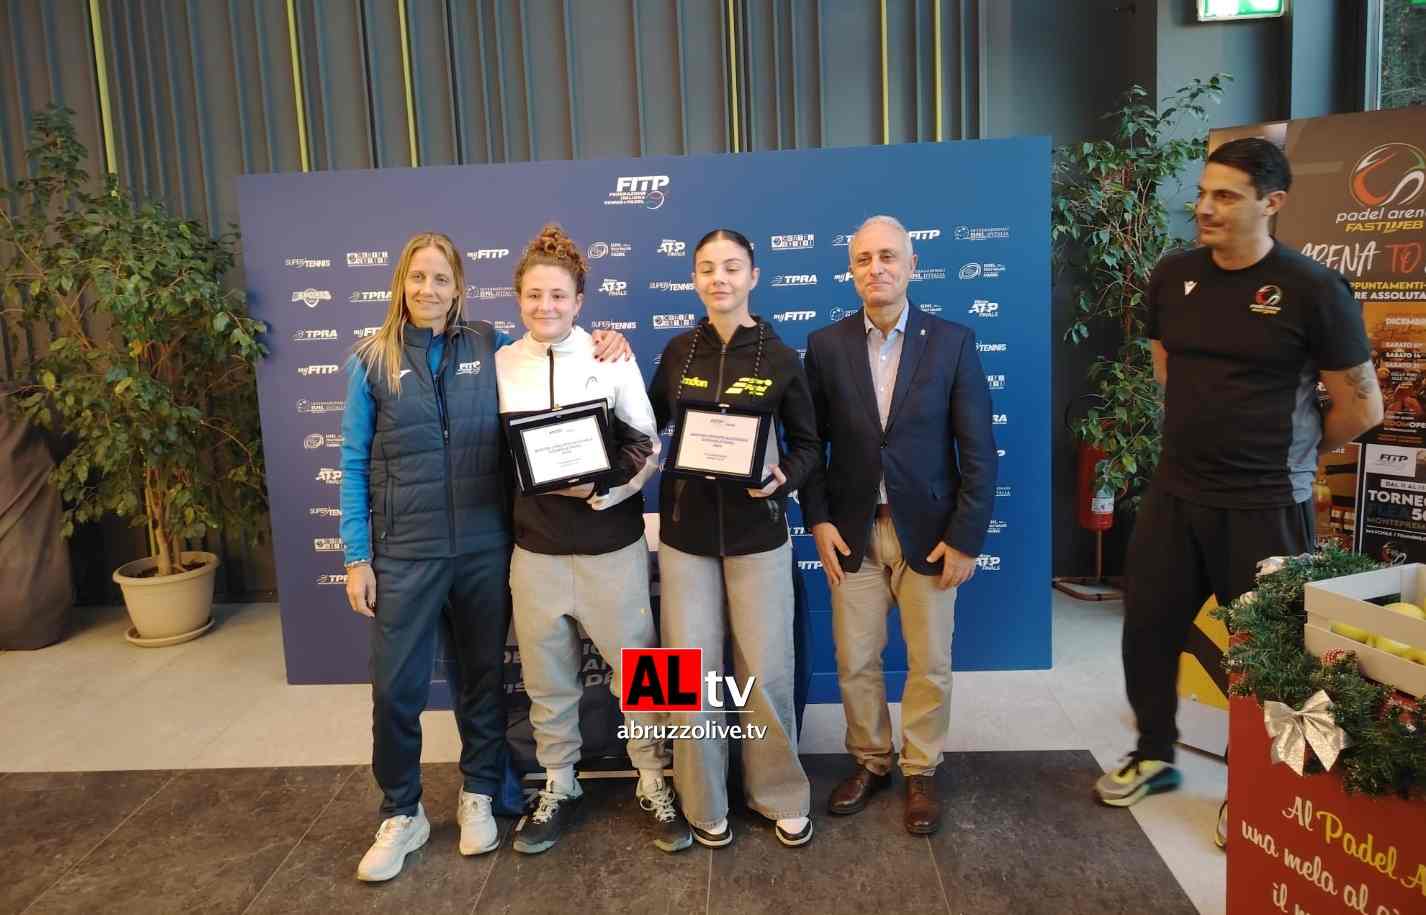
(758,589)
(608,594)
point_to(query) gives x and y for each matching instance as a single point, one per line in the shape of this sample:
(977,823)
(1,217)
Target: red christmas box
(1302,844)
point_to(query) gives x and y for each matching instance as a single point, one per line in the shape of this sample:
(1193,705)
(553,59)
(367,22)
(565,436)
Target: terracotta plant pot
(172,608)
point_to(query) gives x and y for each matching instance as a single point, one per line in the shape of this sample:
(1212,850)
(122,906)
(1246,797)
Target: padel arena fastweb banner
(320,247)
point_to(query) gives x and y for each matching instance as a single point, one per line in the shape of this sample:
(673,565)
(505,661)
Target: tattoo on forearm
(1363,380)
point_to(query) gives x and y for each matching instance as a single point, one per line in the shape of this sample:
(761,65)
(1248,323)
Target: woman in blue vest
(426,527)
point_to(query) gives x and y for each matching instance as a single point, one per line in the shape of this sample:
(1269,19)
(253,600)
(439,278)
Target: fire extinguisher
(1095,504)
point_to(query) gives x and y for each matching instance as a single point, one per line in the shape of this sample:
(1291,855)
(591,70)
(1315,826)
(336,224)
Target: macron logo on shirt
(1189,286)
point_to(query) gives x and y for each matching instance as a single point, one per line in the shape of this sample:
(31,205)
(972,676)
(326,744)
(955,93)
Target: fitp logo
(1393,174)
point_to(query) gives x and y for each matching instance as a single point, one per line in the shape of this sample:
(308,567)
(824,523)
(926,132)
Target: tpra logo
(1393,174)
(795,279)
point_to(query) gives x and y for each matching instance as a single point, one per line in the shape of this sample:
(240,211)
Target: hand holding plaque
(562,448)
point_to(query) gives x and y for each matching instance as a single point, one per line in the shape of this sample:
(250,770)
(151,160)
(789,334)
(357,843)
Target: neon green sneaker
(1136,780)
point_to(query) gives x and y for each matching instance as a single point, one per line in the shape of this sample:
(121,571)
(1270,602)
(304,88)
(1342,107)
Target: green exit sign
(1226,10)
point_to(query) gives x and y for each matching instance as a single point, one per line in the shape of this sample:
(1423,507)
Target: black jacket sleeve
(815,506)
(803,455)
(659,388)
(975,447)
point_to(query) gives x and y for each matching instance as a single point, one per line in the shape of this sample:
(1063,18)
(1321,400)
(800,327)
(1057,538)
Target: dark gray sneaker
(539,830)
(671,832)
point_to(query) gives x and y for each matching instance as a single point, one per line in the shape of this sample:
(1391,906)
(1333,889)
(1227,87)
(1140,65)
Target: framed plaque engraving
(556,449)
(718,441)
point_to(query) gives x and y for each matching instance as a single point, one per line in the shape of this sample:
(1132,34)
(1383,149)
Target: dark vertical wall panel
(203,90)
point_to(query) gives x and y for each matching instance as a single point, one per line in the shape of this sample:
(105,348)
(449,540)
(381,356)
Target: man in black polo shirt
(1241,329)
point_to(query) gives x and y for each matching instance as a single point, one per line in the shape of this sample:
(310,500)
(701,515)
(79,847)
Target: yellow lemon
(1352,632)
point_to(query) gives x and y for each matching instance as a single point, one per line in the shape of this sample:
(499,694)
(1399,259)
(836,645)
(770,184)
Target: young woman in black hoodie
(725,556)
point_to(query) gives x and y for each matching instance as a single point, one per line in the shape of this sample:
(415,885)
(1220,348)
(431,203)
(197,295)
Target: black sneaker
(714,839)
(541,829)
(671,832)
(794,839)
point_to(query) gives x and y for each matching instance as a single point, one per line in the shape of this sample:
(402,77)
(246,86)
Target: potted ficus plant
(148,375)
(1110,224)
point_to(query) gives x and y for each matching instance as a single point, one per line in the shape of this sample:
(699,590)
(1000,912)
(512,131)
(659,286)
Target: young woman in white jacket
(580,557)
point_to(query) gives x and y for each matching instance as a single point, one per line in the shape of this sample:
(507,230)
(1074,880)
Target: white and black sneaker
(714,838)
(538,831)
(397,837)
(794,831)
(671,831)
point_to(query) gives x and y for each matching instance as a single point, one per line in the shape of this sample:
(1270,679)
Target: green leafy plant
(149,372)
(1109,226)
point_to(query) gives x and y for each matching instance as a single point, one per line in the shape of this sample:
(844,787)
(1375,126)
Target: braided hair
(693,347)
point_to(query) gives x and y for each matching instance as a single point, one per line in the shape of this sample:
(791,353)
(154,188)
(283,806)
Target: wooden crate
(1346,600)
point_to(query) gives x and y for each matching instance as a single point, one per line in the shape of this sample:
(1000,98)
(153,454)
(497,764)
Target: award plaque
(555,449)
(720,442)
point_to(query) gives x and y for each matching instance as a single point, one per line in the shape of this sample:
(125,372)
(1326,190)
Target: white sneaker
(478,832)
(397,837)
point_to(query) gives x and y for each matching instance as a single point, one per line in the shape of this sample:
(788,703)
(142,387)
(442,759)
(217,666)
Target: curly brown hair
(553,248)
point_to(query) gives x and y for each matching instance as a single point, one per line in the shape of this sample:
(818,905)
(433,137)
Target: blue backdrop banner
(320,248)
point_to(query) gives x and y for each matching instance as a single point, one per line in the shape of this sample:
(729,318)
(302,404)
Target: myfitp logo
(614,287)
(365,331)
(804,315)
(843,277)
(795,279)
(809,565)
(307,371)
(313,335)
(310,297)
(924,234)
(643,190)
(488,254)
(672,247)
(1393,174)
(673,680)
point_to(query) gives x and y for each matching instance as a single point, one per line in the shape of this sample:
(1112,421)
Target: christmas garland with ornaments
(1378,744)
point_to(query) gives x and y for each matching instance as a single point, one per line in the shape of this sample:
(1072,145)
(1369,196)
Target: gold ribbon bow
(1292,732)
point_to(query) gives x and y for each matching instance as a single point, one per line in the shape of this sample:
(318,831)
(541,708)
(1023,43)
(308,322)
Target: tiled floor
(1021,834)
(1017,839)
